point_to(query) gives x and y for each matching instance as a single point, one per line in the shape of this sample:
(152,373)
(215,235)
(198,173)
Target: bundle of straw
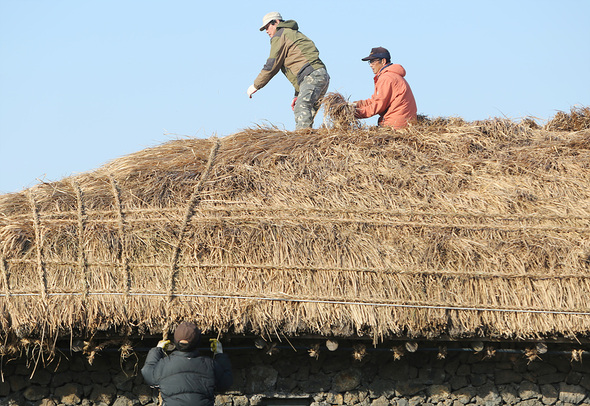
(339,113)
(577,120)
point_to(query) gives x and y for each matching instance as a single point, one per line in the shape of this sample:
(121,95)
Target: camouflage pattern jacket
(292,53)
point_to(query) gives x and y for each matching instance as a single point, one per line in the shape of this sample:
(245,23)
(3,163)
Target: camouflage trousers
(311,90)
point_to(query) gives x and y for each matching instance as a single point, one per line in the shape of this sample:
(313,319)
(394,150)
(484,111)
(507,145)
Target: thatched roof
(448,228)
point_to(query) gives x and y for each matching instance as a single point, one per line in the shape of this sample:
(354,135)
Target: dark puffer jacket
(185,378)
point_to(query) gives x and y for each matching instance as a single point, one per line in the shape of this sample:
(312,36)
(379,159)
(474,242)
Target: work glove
(216,346)
(164,344)
(251,90)
(293,103)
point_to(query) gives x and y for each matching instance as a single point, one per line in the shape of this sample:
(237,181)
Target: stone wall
(333,378)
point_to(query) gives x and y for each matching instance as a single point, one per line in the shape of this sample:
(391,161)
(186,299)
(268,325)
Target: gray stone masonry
(461,378)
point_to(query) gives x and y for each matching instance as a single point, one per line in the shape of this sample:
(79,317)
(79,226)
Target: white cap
(273,15)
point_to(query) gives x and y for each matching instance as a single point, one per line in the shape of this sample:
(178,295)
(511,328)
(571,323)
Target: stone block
(123,382)
(69,394)
(488,395)
(351,398)
(330,398)
(346,380)
(438,393)
(319,382)
(563,364)
(100,377)
(261,378)
(46,402)
(124,401)
(363,394)
(549,394)
(451,367)
(286,367)
(35,393)
(41,377)
(104,394)
(18,382)
(302,373)
(99,363)
(540,368)
(336,363)
(505,376)
(531,402)
(240,401)
(464,395)
(557,377)
(585,381)
(22,369)
(464,370)
(395,370)
(381,401)
(78,364)
(61,378)
(222,400)
(573,378)
(571,393)
(4,388)
(286,385)
(417,401)
(143,392)
(478,379)
(482,367)
(528,390)
(458,382)
(408,388)
(83,378)
(382,387)
(509,394)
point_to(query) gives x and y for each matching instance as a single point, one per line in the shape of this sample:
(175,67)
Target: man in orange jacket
(393,99)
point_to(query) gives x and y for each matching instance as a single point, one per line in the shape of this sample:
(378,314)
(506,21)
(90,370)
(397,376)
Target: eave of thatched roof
(446,228)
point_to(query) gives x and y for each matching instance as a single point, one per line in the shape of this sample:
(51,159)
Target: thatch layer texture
(446,228)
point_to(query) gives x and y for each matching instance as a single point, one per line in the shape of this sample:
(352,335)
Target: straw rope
(422,305)
(365,270)
(122,255)
(190,209)
(48,217)
(5,276)
(6,279)
(477,226)
(41,271)
(82,264)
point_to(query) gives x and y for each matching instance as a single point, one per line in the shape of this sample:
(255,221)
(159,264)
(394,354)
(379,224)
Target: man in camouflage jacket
(297,57)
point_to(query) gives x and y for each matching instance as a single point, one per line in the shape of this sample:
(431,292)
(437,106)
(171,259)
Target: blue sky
(85,82)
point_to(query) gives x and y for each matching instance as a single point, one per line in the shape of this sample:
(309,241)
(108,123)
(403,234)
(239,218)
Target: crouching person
(184,377)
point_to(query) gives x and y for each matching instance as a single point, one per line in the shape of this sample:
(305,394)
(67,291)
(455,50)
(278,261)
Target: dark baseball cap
(377,53)
(186,336)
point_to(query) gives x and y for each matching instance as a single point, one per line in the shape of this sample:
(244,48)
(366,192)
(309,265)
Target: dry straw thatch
(447,228)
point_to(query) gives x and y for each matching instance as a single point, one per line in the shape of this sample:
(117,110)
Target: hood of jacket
(393,68)
(291,24)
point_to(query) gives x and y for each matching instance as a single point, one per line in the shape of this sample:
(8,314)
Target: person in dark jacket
(184,377)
